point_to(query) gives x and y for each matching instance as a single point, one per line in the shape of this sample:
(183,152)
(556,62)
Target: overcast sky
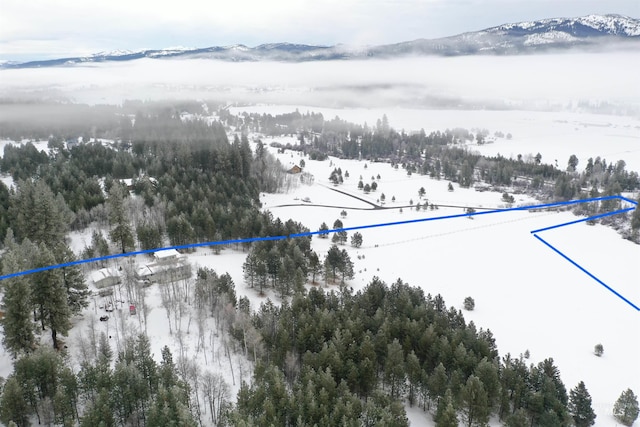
(36,29)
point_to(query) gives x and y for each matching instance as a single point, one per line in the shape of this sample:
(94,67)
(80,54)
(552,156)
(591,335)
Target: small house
(166,256)
(169,266)
(105,277)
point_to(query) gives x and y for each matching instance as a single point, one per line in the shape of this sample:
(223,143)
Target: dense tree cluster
(331,355)
(132,390)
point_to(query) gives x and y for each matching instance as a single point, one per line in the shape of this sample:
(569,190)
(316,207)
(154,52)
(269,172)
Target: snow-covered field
(555,135)
(530,297)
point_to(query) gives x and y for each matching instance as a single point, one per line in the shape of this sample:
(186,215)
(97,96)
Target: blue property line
(583,220)
(628,200)
(311,233)
(141,252)
(413,221)
(587,273)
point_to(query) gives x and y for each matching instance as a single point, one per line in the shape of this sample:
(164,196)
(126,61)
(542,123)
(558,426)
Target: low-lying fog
(549,81)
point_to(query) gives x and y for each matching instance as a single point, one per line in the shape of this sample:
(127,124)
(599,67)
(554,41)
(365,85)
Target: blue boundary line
(309,233)
(362,227)
(584,270)
(583,220)
(587,272)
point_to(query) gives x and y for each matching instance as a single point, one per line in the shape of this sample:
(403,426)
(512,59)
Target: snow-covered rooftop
(166,254)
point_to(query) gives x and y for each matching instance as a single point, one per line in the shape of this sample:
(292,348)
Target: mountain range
(591,32)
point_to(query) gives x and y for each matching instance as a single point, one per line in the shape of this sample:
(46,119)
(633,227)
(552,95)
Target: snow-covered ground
(555,135)
(530,297)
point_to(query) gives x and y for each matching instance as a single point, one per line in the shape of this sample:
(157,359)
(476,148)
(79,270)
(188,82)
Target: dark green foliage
(149,235)
(13,406)
(548,400)
(635,218)
(626,408)
(353,339)
(394,369)
(339,237)
(338,261)
(4,209)
(17,325)
(446,415)
(322,229)
(213,292)
(469,303)
(37,214)
(580,406)
(598,350)
(356,240)
(74,282)
(121,233)
(474,402)
(49,296)
(518,419)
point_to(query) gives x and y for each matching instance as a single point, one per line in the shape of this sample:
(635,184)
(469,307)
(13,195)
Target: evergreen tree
(13,407)
(333,261)
(394,370)
(580,406)
(170,408)
(635,217)
(100,413)
(518,419)
(50,296)
(475,403)
(77,290)
(437,383)
(323,228)
(346,266)
(149,235)
(39,215)
(18,336)
(414,376)
(356,240)
(99,244)
(339,236)
(488,374)
(626,408)
(121,232)
(446,415)
(315,267)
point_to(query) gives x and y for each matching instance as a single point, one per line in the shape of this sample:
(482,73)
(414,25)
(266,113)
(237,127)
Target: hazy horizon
(543,81)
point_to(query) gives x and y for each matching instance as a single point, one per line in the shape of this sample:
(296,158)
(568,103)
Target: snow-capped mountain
(587,32)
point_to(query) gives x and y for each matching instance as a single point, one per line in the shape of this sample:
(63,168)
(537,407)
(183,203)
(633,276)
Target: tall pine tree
(580,406)
(475,403)
(446,414)
(50,296)
(626,408)
(17,325)
(74,282)
(121,232)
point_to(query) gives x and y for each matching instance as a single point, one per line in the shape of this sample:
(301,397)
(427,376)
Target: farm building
(169,266)
(105,277)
